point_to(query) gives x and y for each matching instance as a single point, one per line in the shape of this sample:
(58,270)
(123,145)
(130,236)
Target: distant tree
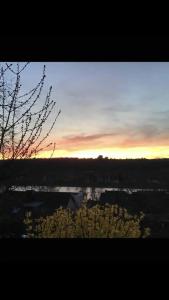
(100,157)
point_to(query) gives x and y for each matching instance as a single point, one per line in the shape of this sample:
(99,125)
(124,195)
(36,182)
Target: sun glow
(118,153)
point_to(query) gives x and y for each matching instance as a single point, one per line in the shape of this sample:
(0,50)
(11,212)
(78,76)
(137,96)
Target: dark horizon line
(88,158)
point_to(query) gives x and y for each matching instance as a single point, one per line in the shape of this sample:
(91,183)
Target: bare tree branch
(22,127)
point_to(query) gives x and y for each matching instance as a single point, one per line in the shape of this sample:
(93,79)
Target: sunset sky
(114,109)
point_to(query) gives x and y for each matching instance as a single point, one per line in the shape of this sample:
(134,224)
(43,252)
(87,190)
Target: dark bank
(139,185)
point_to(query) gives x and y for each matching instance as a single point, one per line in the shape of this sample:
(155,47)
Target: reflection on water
(90,192)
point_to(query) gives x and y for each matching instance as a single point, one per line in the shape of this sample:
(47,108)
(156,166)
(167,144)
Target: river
(90,192)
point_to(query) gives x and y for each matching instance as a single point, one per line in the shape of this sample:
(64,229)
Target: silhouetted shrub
(109,221)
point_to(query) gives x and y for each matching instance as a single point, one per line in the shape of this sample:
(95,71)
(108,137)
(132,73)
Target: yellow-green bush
(109,221)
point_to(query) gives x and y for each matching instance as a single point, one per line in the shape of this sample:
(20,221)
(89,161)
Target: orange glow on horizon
(113,152)
(118,153)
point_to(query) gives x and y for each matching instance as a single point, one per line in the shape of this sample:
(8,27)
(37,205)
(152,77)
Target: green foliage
(109,221)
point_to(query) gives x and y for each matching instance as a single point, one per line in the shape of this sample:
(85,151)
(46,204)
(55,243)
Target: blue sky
(119,106)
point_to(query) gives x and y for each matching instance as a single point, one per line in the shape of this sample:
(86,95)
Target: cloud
(117,106)
(135,130)
(82,141)
(140,135)
(148,131)
(85,138)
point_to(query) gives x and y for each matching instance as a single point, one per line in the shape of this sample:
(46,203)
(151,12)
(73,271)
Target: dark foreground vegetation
(109,221)
(51,218)
(139,173)
(14,207)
